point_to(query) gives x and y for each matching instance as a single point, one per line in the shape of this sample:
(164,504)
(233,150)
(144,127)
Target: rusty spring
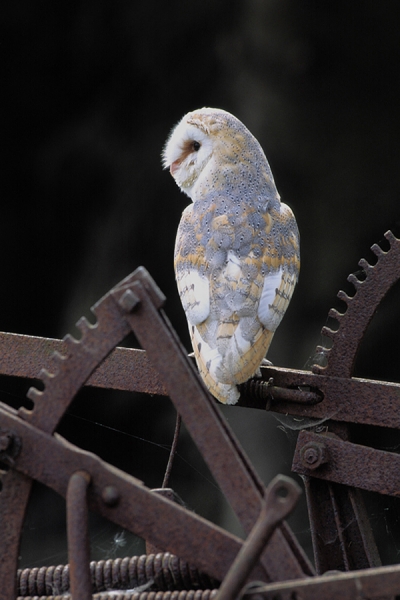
(175,595)
(264,390)
(160,572)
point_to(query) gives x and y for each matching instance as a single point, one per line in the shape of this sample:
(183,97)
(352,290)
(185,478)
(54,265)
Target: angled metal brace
(215,440)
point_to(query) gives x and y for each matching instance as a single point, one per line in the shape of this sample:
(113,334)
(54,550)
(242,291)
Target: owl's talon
(266,363)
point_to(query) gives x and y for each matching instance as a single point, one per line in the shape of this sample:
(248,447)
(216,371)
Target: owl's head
(204,142)
(189,149)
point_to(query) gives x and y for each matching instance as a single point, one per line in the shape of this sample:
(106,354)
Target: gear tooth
(70,342)
(321,350)
(84,326)
(335,314)
(58,356)
(54,361)
(24,412)
(34,394)
(328,332)
(391,238)
(342,296)
(377,250)
(94,310)
(364,264)
(352,278)
(45,375)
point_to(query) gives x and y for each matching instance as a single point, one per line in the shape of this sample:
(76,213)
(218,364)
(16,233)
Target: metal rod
(381,582)
(78,537)
(172,451)
(280,498)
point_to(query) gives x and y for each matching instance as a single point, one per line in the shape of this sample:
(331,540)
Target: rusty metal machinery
(194,558)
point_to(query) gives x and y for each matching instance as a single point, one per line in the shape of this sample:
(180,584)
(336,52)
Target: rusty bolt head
(110,495)
(129,301)
(313,455)
(5,440)
(10,446)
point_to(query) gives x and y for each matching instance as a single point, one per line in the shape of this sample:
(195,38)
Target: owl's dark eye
(196,146)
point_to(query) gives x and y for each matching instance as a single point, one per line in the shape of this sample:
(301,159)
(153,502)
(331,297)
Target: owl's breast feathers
(236,267)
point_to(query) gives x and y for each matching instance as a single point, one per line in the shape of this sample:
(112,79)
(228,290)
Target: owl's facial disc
(189,147)
(186,153)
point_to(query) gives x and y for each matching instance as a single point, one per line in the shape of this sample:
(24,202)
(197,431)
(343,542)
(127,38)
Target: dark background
(90,91)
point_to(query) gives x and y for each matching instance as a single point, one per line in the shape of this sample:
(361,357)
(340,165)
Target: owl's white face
(187,153)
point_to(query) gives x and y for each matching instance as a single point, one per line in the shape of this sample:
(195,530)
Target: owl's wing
(193,286)
(279,284)
(235,295)
(275,297)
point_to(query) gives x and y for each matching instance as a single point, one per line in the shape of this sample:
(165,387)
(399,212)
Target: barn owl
(237,250)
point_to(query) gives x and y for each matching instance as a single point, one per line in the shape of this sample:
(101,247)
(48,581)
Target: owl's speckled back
(237,247)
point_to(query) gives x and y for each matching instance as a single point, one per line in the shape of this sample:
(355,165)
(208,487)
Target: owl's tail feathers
(221,374)
(224,392)
(247,364)
(206,359)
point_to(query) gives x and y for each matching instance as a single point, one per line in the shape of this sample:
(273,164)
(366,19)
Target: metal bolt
(110,495)
(10,446)
(5,440)
(313,455)
(129,301)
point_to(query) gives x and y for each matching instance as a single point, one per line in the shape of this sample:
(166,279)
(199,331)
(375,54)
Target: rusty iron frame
(135,304)
(330,462)
(129,369)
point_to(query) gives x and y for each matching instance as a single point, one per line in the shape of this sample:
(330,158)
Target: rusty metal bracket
(344,399)
(350,464)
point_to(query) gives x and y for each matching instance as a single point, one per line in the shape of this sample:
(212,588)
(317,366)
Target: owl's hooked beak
(174,167)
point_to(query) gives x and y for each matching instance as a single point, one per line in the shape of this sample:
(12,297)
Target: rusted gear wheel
(69,373)
(361,307)
(335,508)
